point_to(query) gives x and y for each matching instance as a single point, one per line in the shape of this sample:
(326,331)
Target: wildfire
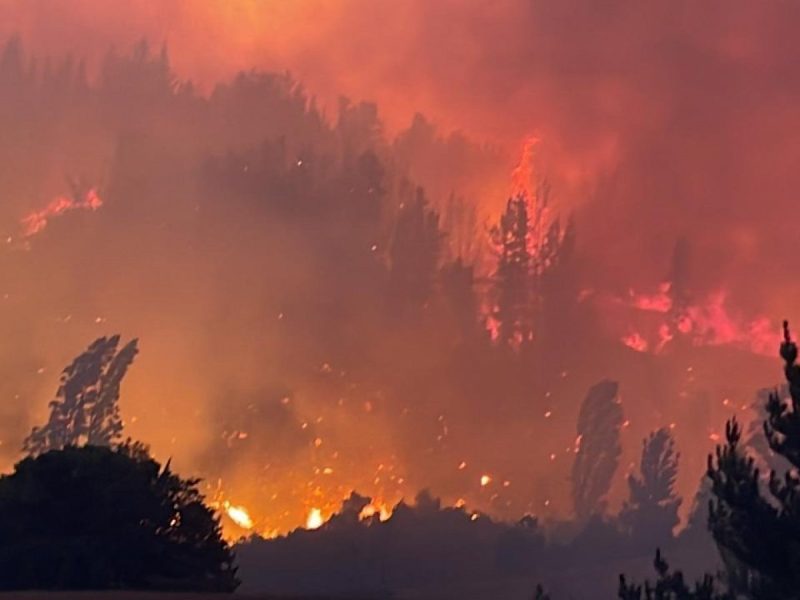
(314,519)
(37,221)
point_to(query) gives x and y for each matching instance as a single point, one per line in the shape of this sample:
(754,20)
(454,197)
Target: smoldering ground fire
(315,282)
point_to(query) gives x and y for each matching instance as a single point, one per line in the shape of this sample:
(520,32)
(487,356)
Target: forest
(386,355)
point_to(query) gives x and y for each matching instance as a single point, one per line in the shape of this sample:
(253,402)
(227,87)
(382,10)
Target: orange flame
(239,515)
(706,323)
(315,519)
(522,174)
(37,221)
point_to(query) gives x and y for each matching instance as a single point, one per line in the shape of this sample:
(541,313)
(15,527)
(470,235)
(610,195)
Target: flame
(635,340)
(37,221)
(522,174)
(314,520)
(381,509)
(239,515)
(660,302)
(708,322)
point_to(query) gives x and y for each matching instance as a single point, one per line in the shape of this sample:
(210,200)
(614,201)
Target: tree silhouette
(758,531)
(99,518)
(531,246)
(514,311)
(458,288)
(414,252)
(670,585)
(85,409)
(651,510)
(599,449)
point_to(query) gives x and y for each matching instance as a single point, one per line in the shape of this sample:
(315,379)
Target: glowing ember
(485,480)
(314,519)
(36,222)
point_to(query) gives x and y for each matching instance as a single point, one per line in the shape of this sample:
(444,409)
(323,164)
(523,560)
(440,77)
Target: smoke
(656,122)
(672,117)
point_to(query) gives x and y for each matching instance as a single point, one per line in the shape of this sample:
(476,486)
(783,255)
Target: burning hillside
(330,300)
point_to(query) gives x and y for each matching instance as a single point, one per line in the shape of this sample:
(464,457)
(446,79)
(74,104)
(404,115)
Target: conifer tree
(86,407)
(758,530)
(651,510)
(514,311)
(415,252)
(671,585)
(598,449)
(531,248)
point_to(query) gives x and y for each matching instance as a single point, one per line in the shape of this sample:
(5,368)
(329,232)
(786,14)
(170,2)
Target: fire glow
(707,323)
(37,221)
(239,515)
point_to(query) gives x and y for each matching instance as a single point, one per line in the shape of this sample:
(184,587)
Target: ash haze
(297,207)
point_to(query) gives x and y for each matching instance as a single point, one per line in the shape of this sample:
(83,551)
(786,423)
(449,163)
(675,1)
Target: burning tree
(514,312)
(758,531)
(86,407)
(598,449)
(530,247)
(652,507)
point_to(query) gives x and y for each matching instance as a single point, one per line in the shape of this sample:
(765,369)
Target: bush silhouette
(100,518)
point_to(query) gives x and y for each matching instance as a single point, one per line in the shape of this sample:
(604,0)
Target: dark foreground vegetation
(87,510)
(752,518)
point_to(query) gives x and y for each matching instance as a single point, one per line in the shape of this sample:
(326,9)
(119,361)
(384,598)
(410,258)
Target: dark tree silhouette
(758,531)
(458,288)
(85,409)
(531,247)
(514,311)
(651,511)
(755,524)
(100,518)
(599,449)
(670,585)
(414,252)
(540,594)
(753,436)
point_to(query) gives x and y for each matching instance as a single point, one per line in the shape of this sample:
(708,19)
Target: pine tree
(458,288)
(757,530)
(670,585)
(651,511)
(86,407)
(514,311)
(599,449)
(414,252)
(531,248)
